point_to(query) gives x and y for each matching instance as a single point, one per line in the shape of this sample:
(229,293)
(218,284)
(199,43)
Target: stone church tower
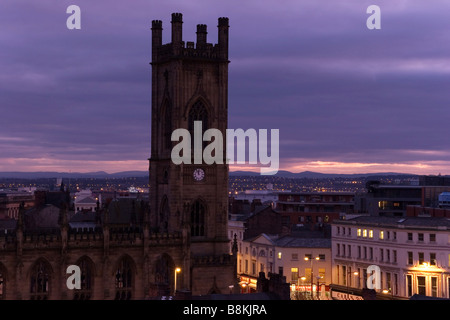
(190,83)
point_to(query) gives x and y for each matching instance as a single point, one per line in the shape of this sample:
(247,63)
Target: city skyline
(345,99)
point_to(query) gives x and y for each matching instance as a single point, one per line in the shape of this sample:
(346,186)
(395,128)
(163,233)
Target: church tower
(189,84)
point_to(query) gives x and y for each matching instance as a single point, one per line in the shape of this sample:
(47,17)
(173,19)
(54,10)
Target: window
(432,237)
(308,275)
(85,292)
(294,274)
(370,233)
(432,259)
(388,281)
(39,281)
(410,236)
(338,247)
(381,234)
(421,289)
(253,268)
(349,251)
(197,219)
(421,257)
(381,255)
(359,252)
(322,274)
(371,253)
(246,266)
(167,125)
(124,280)
(409,284)
(2,281)
(365,233)
(395,283)
(388,255)
(365,277)
(295,256)
(410,258)
(433,286)
(321,256)
(279,255)
(420,237)
(395,235)
(198,112)
(394,255)
(344,275)
(358,232)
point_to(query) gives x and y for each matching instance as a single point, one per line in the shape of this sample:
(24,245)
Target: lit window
(279,255)
(359,232)
(381,234)
(370,233)
(294,274)
(364,233)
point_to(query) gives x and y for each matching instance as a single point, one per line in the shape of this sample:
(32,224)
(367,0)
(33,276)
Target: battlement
(223,22)
(180,49)
(177,17)
(156,24)
(201,28)
(212,260)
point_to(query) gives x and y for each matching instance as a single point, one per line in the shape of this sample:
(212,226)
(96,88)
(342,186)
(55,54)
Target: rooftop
(399,222)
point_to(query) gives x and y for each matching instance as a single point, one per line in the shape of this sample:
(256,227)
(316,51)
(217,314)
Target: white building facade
(286,255)
(398,257)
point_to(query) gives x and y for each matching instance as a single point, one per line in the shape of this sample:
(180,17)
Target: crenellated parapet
(178,48)
(212,260)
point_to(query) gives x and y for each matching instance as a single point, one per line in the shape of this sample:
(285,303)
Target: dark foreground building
(179,240)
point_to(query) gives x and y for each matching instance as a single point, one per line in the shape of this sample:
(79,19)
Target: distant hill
(127,174)
(318,175)
(73,175)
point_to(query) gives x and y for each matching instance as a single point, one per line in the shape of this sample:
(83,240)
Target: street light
(306,259)
(177,270)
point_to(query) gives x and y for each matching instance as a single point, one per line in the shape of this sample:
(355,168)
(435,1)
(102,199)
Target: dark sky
(345,98)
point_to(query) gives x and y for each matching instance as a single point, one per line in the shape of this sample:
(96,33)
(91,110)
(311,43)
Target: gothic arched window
(124,280)
(2,286)
(39,281)
(164,215)
(167,126)
(198,112)
(198,219)
(85,293)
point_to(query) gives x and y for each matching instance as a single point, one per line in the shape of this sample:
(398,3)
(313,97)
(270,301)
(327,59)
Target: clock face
(199,174)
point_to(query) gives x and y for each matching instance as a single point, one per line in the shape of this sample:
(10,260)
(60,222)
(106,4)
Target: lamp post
(177,270)
(310,259)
